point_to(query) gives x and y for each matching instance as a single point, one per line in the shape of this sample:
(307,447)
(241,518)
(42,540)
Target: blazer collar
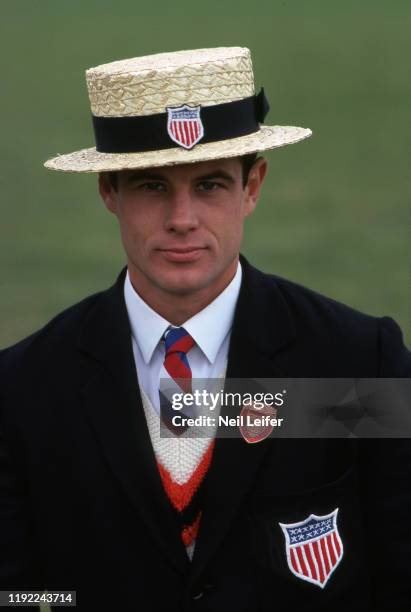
(262,325)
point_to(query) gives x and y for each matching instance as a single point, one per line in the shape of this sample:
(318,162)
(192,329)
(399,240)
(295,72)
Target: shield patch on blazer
(184,125)
(313,547)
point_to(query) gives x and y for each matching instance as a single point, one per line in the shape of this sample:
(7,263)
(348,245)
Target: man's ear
(107,192)
(255,180)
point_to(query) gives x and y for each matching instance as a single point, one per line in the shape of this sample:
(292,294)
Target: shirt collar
(208,327)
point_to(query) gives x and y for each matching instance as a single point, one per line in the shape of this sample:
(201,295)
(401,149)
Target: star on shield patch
(313,547)
(184,125)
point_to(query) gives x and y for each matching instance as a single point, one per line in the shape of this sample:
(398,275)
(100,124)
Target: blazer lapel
(114,407)
(262,326)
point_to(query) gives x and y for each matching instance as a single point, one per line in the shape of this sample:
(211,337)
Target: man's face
(182,226)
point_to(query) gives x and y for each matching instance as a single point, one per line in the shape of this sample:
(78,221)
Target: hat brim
(90,160)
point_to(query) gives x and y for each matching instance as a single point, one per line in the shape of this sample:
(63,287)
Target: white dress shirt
(210,328)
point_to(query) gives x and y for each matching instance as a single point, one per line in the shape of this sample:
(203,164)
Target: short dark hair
(247,162)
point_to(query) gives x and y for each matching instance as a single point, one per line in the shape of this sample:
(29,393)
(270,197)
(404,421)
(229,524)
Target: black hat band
(195,124)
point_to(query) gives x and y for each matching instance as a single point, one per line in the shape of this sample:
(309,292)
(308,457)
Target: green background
(334,214)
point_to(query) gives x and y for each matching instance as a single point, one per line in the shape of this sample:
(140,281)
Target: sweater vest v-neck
(183,463)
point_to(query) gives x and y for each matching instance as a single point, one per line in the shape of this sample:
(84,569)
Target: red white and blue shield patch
(184,125)
(313,547)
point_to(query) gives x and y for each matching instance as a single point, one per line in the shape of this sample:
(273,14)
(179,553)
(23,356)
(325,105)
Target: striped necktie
(175,375)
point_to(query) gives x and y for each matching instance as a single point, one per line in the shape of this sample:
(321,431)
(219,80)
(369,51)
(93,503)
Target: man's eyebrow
(142,175)
(218,174)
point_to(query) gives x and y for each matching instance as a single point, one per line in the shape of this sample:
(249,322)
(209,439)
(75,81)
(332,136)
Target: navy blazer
(82,505)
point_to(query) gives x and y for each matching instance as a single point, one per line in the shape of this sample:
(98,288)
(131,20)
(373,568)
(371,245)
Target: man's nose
(181,213)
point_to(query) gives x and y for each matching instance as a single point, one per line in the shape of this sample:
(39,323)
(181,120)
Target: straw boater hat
(175,108)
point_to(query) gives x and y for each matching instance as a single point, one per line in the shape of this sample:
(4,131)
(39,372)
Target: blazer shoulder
(317,306)
(60,330)
(347,327)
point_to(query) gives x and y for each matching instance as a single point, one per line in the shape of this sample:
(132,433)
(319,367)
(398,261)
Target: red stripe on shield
(310,561)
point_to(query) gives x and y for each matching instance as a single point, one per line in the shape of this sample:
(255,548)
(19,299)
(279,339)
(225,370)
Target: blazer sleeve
(19,565)
(385,471)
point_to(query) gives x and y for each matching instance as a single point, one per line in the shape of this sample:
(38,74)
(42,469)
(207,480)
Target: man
(94,499)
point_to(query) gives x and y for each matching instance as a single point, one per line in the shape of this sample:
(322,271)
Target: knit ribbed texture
(183,463)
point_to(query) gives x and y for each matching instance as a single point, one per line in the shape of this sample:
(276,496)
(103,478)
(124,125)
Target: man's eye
(208,186)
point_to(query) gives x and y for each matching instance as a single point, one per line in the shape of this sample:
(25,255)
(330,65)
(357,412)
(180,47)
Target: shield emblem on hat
(184,125)
(313,547)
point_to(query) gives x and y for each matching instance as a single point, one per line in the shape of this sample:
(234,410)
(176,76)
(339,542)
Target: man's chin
(184,282)
(186,287)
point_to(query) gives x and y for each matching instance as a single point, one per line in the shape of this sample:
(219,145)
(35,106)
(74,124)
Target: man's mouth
(183,254)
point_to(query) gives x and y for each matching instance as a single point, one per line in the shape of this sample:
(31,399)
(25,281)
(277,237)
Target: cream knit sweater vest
(179,456)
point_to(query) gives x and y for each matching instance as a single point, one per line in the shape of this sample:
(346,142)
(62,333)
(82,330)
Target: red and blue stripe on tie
(178,342)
